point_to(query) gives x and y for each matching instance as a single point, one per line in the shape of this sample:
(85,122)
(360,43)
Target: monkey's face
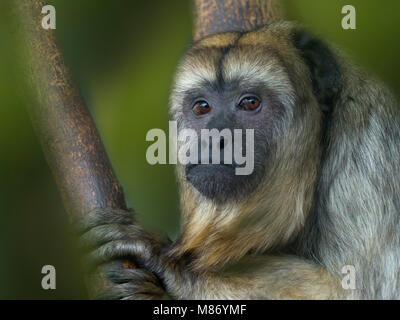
(230,163)
(235,83)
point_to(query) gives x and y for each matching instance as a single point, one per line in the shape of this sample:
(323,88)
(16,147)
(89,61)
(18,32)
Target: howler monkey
(324,193)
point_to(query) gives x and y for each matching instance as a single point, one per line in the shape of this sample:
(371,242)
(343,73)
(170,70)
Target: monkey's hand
(111,235)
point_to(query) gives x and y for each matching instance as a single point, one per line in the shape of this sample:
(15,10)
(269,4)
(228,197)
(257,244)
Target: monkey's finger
(117,249)
(140,285)
(102,234)
(120,275)
(103,216)
(132,291)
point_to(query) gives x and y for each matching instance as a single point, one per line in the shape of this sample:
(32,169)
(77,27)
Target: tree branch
(216,16)
(67,133)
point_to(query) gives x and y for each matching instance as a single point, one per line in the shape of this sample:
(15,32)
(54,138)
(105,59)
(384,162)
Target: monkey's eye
(201,107)
(249,103)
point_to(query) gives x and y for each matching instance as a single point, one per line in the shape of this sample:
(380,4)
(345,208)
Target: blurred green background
(123,54)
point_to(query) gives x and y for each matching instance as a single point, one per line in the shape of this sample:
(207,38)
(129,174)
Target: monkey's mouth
(216,181)
(211,166)
(212,172)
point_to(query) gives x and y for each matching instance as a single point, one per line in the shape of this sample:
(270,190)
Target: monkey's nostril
(222,143)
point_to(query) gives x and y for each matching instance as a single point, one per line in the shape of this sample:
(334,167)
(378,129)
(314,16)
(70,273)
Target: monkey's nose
(209,144)
(221,143)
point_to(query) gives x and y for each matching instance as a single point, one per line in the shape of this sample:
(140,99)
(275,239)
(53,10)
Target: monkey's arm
(285,277)
(115,234)
(256,277)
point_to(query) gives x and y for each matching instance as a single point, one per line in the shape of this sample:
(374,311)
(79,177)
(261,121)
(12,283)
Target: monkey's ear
(324,68)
